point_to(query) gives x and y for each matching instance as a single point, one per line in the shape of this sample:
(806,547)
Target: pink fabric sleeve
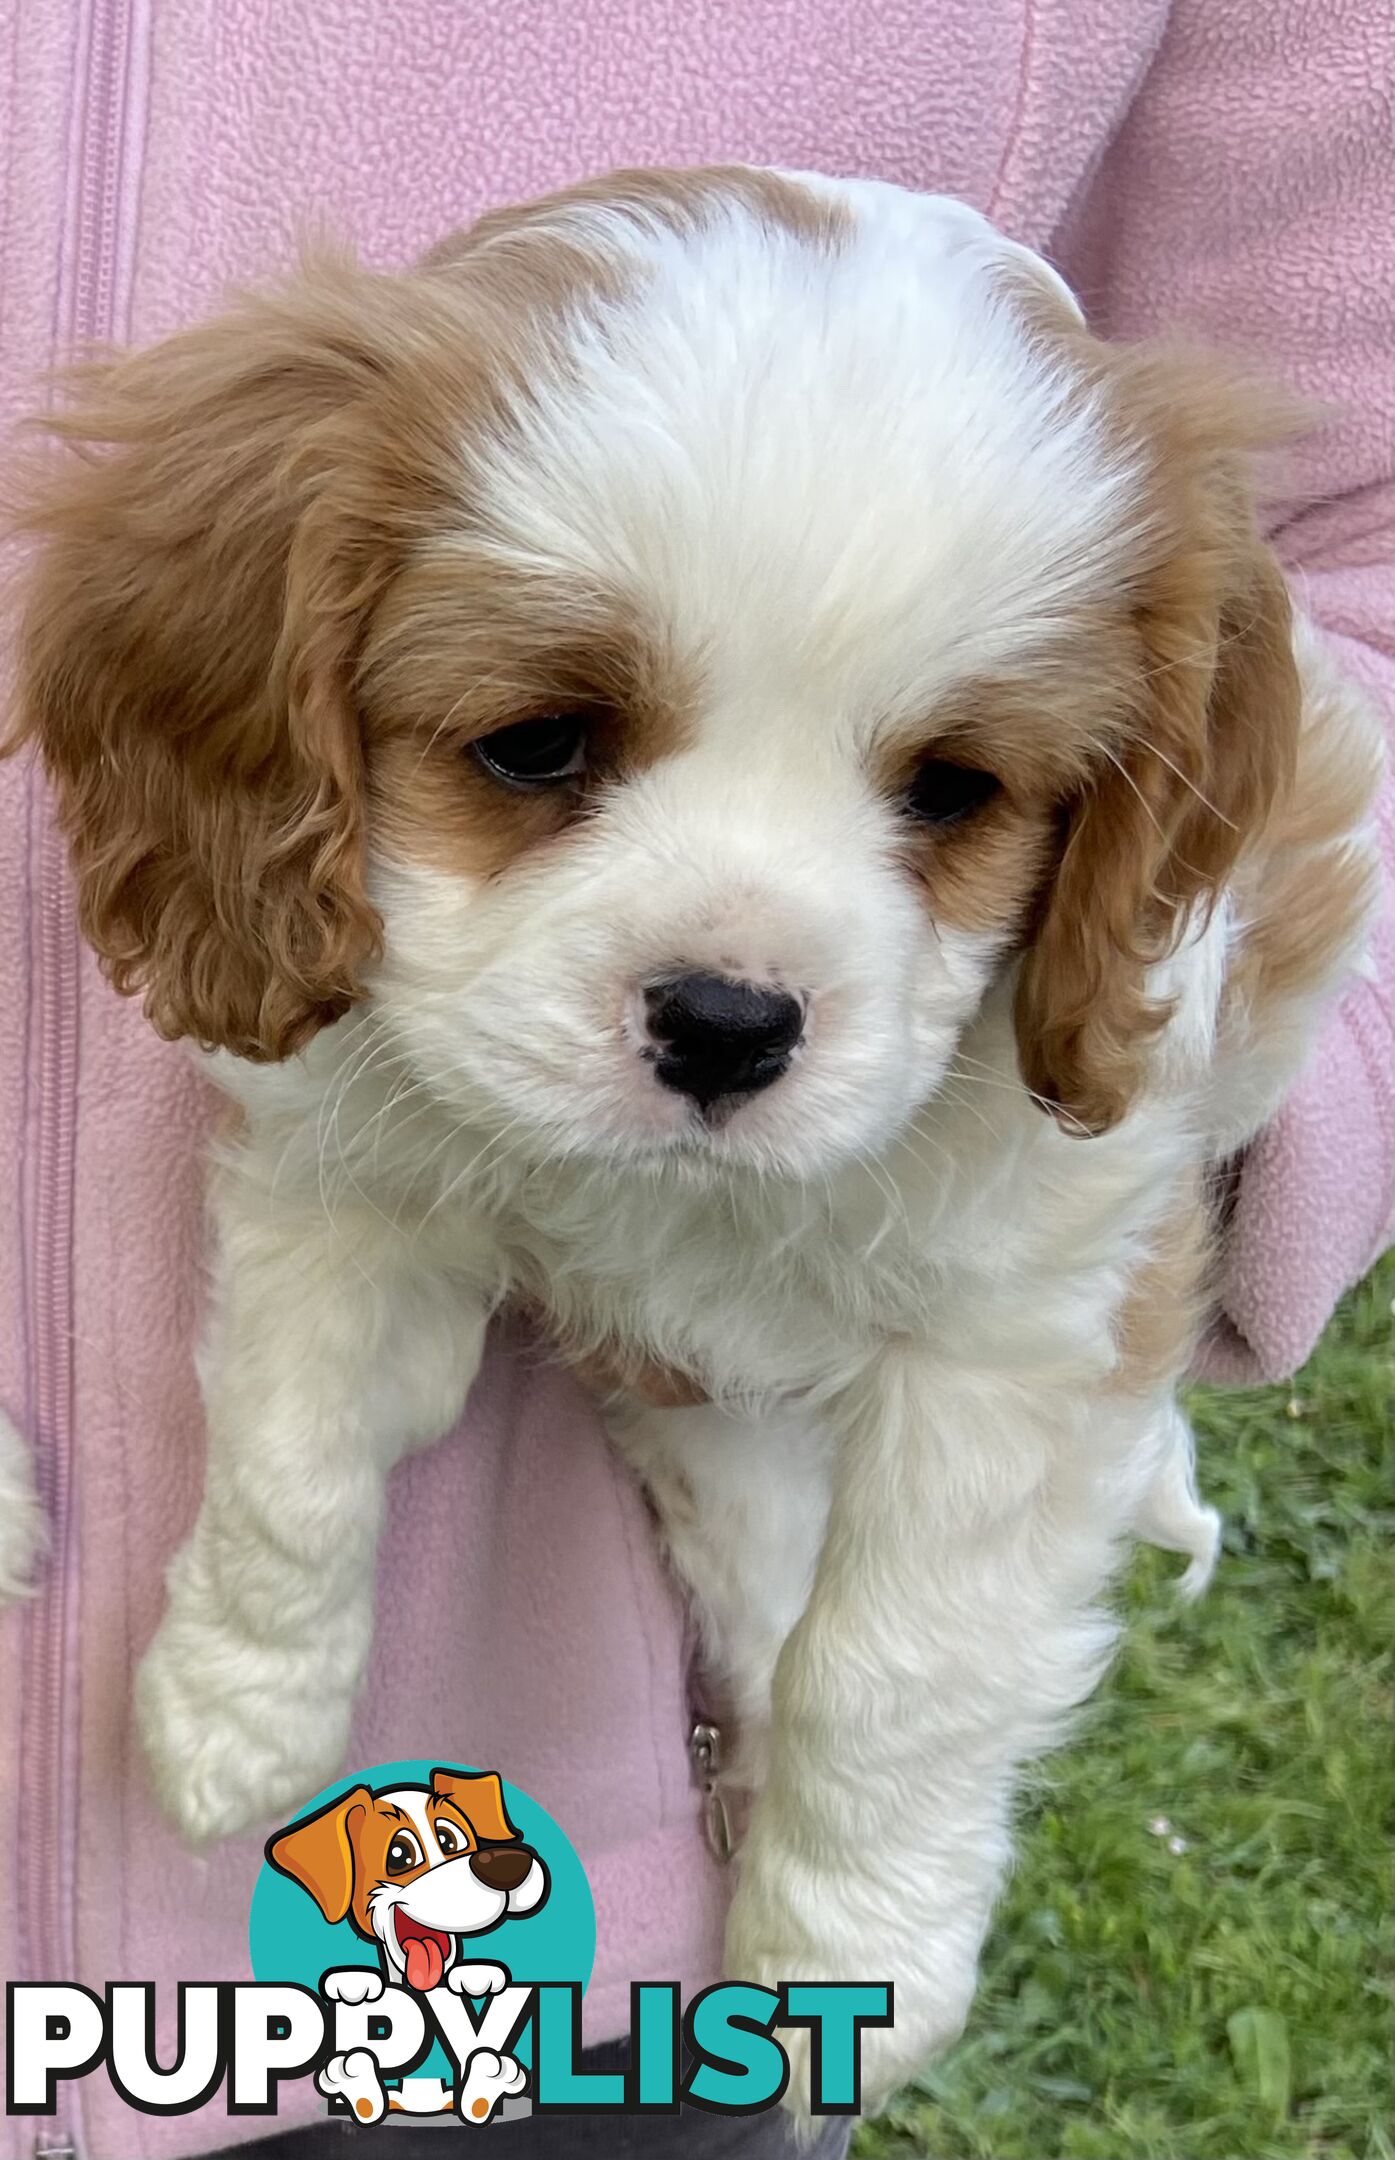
(1245,201)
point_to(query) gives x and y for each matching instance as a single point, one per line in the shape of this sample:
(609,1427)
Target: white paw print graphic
(354,2079)
(355,1984)
(477,1980)
(489,2078)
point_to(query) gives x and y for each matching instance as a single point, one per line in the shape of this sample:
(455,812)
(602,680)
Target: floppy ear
(1153,836)
(480,1800)
(186,661)
(318,1853)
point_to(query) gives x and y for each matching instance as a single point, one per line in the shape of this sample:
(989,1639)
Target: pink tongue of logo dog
(425,1950)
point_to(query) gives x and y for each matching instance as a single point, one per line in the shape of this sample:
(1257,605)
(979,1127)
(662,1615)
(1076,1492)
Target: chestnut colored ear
(1156,832)
(318,1853)
(480,1800)
(186,659)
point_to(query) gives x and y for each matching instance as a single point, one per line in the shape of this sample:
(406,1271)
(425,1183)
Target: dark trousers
(689,2135)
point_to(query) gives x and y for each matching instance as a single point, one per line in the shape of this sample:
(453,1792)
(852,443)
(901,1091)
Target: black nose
(501,1867)
(718,1037)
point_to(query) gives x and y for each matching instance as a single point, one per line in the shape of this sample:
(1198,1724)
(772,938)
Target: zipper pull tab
(705,1745)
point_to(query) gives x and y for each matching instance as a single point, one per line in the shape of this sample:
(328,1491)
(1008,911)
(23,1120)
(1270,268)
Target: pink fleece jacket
(1220,169)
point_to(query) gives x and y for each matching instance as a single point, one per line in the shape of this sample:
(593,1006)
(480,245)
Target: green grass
(1229,2000)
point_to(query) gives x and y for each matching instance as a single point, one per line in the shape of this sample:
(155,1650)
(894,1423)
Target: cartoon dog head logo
(415,1869)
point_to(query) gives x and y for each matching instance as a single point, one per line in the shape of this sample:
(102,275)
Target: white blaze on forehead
(805,458)
(931,227)
(413,1806)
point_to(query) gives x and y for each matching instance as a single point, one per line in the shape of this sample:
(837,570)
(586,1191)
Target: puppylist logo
(421,1938)
(425,1885)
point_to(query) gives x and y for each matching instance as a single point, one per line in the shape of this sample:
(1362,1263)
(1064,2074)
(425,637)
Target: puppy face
(673,651)
(413,1870)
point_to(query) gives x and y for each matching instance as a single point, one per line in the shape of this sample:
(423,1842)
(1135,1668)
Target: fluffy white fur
(896,1276)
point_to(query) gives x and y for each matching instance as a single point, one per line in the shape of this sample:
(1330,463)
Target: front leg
(952,1627)
(336,1344)
(742,1502)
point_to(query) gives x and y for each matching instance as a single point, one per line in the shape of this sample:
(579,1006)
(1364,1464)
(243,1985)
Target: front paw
(354,2080)
(794,1922)
(489,2079)
(353,1984)
(237,1733)
(477,1981)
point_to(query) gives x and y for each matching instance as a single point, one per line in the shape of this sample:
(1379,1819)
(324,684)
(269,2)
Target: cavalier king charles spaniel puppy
(710,760)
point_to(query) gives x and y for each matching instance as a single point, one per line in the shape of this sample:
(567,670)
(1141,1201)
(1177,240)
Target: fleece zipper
(106,124)
(707,1747)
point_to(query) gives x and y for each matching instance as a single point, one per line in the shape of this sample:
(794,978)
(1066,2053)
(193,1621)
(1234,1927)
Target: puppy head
(672,651)
(413,1869)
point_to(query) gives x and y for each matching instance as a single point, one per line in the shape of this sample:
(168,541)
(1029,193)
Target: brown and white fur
(805,498)
(416,1870)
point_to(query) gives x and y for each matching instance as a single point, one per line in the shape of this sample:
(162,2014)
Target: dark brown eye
(535,753)
(942,792)
(403,1853)
(449,1838)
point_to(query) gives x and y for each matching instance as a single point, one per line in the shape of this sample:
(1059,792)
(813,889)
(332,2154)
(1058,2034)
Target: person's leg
(691,2135)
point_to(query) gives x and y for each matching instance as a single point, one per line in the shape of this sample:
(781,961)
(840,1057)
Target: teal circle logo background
(290,1939)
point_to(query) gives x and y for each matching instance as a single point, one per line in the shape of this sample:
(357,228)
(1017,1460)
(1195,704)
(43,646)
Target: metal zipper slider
(44,2151)
(706,1747)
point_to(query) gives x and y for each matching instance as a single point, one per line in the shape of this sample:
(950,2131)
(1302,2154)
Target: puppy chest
(736,1303)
